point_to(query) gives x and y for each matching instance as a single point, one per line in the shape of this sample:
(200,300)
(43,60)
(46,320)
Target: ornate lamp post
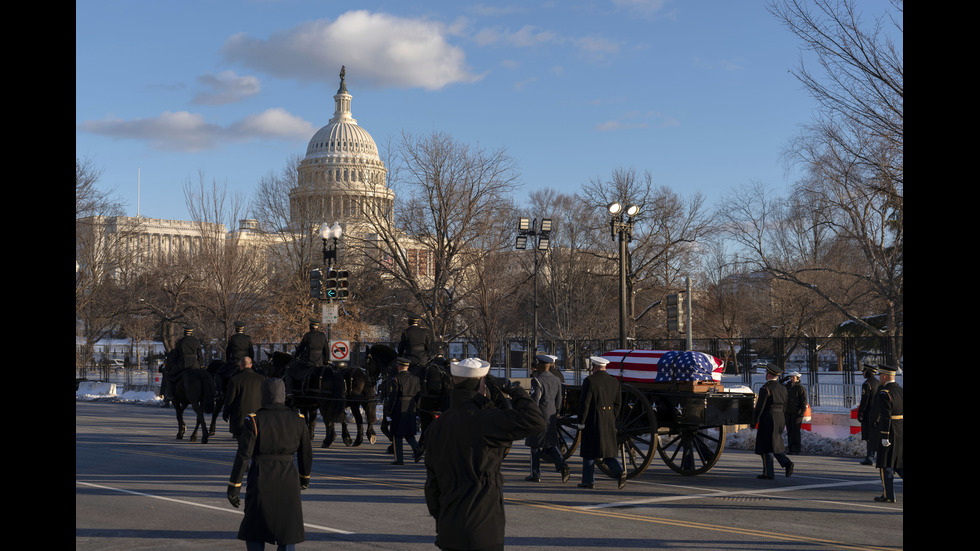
(327,233)
(621,224)
(540,239)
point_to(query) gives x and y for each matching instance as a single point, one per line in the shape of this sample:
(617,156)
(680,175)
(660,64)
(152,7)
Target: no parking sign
(339,351)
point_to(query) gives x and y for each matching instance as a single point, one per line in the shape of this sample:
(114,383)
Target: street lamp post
(621,224)
(331,236)
(540,239)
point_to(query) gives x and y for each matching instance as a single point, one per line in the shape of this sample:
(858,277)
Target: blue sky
(698,93)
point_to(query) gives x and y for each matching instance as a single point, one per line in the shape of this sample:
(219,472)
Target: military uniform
(243,396)
(889,410)
(599,407)
(546,393)
(464,450)
(186,354)
(796,402)
(239,345)
(414,343)
(313,350)
(270,438)
(869,431)
(401,407)
(769,419)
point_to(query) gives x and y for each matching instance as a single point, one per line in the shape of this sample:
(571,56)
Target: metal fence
(830,367)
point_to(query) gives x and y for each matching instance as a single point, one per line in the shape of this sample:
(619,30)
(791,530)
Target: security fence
(830,367)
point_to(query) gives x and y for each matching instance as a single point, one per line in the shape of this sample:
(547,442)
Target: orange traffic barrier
(807,419)
(855,424)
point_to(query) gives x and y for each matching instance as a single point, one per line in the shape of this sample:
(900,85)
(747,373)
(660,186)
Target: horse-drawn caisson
(672,403)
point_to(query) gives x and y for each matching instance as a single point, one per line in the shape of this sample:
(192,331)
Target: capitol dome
(342,178)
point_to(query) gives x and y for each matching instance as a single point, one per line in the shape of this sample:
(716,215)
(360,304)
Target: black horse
(194,387)
(222,373)
(362,393)
(381,361)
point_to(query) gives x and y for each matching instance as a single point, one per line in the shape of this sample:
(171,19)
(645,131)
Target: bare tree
(666,235)
(230,270)
(454,196)
(100,258)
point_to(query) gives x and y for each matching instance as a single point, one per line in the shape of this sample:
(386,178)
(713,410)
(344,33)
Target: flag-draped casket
(663,366)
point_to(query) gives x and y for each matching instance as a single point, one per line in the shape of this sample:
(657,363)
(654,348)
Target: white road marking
(224,509)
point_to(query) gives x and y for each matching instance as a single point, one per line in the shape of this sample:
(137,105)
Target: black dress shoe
(397,462)
(589,486)
(417,455)
(867,462)
(565,473)
(789,470)
(765,477)
(622,481)
(883,499)
(532,478)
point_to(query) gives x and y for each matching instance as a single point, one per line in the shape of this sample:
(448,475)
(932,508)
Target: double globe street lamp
(621,224)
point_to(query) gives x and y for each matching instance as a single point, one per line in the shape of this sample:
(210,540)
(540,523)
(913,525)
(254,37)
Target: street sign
(340,351)
(331,313)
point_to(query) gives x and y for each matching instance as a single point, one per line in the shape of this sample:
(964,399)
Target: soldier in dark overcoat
(464,449)
(889,412)
(546,392)
(769,419)
(414,343)
(239,345)
(187,353)
(243,396)
(869,430)
(598,409)
(313,350)
(270,438)
(796,402)
(401,408)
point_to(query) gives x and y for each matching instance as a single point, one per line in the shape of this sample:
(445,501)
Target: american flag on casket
(662,366)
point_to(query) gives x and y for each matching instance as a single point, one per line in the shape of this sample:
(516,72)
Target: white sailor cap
(470,368)
(546,358)
(598,361)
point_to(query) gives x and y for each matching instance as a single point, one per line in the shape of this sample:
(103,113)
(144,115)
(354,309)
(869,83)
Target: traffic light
(675,313)
(316,283)
(330,286)
(343,287)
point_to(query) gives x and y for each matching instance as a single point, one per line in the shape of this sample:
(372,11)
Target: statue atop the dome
(343,85)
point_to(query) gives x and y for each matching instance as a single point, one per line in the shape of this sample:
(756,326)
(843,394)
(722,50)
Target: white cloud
(226,87)
(189,132)
(381,50)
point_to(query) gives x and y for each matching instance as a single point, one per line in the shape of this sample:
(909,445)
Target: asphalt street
(137,487)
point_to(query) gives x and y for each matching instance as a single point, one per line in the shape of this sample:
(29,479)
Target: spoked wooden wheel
(637,433)
(569,438)
(693,451)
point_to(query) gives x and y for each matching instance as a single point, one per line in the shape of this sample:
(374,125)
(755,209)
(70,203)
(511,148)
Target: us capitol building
(341,179)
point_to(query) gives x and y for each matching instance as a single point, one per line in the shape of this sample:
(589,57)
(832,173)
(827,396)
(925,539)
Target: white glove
(580,427)
(885,443)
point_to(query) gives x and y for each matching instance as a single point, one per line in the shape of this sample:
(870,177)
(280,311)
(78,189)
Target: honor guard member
(186,354)
(889,407)
(464,449)
(796,402)
(414,343)
(239,345)
(546,393)
(869,390)
(598,410)
(243,396)
(313,350)
(270,438)
(769,419)
(401,408)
